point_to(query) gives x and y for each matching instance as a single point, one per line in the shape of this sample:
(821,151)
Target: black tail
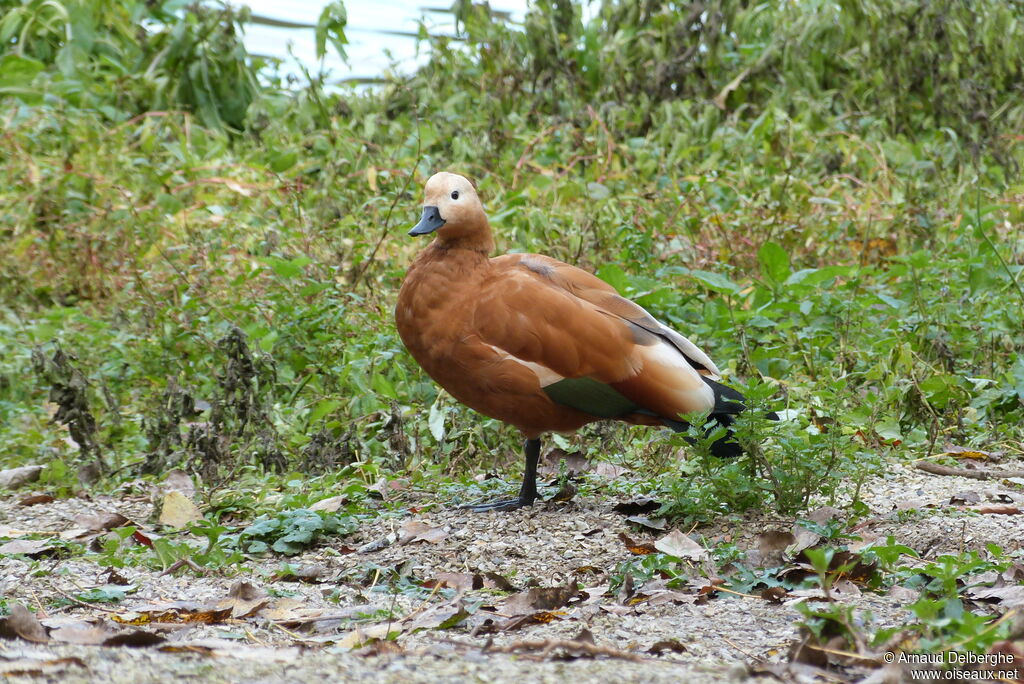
(728,404)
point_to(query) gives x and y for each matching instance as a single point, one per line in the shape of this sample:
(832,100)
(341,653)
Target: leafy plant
(293,531)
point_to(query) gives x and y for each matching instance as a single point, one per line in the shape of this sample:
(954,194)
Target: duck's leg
(527,492)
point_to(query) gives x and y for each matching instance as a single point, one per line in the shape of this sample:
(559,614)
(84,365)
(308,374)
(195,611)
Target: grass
(194,280)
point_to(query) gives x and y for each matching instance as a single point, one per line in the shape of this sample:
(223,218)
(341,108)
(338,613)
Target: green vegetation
(198,263)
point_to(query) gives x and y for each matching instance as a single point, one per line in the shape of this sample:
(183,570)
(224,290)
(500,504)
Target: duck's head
(452,209)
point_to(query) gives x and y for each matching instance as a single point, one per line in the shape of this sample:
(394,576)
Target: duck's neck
(476,239)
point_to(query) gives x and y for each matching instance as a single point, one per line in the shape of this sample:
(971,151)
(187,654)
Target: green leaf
(323,407)
(774,262)
(17,71)
(331,27)
(283,160)
(715,282)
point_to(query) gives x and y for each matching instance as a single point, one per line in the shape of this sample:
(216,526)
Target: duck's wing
(590,348)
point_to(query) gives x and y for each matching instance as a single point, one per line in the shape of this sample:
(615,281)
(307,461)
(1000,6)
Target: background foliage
(825,195)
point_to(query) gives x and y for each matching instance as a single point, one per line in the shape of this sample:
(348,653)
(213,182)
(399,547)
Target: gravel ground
(547,545)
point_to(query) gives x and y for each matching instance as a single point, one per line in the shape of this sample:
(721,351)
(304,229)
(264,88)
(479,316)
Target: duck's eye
(455,194)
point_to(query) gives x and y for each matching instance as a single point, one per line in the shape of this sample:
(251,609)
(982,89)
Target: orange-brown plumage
(528,340)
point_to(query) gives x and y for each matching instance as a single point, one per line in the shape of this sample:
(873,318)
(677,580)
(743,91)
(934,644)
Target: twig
(182,562)
(979,474)
(756,659)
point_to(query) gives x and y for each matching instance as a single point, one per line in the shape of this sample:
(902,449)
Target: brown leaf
(330,504)
(84,634)
(565,493)
(677,544)
(541,617)
(1011,596)
(845,587)
(114,577)
(640,506)
(137,638)
(378,648)
(493,580)
(903,594)
(178,480)
(174,612)
(804,538)
(774,595)
(246,591)
(244,600)
(444,616)
(460,581)
(575,463)
(671,645)
(636,548)
(966,497)
(420,531)
(772,544)
(539,598)
(36,499)
(99,522)
(610,470)
(33,548)
(997,510)
(22,624)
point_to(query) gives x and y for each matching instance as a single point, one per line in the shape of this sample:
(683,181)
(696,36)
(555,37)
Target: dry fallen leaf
(804,538)
(771,547)
(36,499)
(137,638)
(33,548)
(460,581)
(420,531)
(444,616)
(83,634)
(640,506)
(179,480)
(636,548)
(677,544)
(99,522)
(22,624)
(774,595)
(1011,596)
(551,463)
(997,510)
(671,645)
(244,600)
(363,635)
(178,511)
(173,612)
(539,598)
(330,504)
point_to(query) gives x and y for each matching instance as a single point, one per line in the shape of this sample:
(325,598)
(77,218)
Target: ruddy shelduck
(540,344)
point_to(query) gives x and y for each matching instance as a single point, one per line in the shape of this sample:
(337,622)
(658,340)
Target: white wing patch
(692,351)
(679,378)
(545,376)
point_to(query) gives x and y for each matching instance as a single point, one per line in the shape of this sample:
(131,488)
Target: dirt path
(362,583)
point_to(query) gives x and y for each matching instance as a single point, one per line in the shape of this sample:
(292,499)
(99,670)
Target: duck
(542,345)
